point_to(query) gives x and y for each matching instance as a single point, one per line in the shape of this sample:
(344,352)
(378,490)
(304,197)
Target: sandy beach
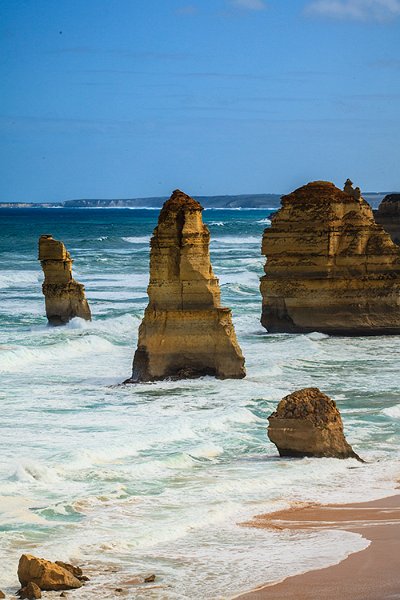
(372,574)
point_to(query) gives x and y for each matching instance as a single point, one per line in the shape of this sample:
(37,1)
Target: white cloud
(249,4)
(359,10)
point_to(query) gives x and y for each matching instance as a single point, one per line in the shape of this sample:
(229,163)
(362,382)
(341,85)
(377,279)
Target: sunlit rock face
(64,297)
(388,215)
(185,332)
(330,267)
(308,423)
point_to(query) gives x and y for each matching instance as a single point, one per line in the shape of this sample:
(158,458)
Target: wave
(317,336)
(392,411)
(140,239)
(236,240)
(266,221)
(21,357)
(9,279)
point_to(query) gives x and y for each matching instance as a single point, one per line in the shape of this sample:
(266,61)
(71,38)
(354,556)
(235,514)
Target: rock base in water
(64,297)
(308,423)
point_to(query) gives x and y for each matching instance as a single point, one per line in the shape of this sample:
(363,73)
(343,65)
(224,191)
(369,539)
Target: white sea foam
(140,239)
(235,241)
(393,411)
(18,279)
(317,336)
(265,221)
(20,358)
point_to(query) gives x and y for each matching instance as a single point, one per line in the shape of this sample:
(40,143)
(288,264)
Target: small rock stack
(64,297)
(308,423)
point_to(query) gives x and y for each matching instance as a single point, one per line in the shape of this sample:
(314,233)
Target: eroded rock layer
(308,423)
(388,215)
(329,267)
(185,332)
(64,297)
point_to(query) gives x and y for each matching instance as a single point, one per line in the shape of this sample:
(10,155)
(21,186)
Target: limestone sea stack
(185,332)
(64,297)
(308,423)
(388,215)
(330,267)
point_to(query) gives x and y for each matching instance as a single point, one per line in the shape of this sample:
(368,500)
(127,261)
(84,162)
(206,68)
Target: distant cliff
(240,201)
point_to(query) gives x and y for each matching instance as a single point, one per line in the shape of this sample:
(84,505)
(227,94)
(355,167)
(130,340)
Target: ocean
(156,477)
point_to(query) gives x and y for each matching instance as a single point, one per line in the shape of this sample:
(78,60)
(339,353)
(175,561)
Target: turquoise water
(124,480)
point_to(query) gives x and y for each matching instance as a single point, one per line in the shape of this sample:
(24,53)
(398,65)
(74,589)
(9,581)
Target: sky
(135,98)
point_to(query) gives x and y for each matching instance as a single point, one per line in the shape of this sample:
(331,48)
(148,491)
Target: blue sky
(132,98)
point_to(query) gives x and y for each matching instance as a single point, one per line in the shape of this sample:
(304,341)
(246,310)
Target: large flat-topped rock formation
(185,332)
(329,267)
(388,215)
(64,297)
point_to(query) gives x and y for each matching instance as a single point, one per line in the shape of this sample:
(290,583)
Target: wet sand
(372,574)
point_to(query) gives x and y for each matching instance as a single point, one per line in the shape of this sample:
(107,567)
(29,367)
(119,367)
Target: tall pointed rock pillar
(64,297)
(329,267)
(185,332)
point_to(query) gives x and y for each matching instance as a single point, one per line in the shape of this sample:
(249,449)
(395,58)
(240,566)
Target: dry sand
(372,574)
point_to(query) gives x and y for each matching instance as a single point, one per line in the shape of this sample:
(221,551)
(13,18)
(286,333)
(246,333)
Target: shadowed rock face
(64,297)
(330,267)
(185,332)
(388,215)
(307,423)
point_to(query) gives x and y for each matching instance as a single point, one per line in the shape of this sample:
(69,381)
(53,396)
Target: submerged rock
(330,267)
(64,297)
(185,332)
(30,592)
(47,575)
(388,215)
(308,423)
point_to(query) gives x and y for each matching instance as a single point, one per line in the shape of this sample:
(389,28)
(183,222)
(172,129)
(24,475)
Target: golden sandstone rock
(307,423)
(330,267)
(388,215)
(185,332)
(64,297)
(45,574)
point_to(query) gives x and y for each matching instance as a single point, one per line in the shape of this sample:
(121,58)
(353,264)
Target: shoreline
(369,574)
